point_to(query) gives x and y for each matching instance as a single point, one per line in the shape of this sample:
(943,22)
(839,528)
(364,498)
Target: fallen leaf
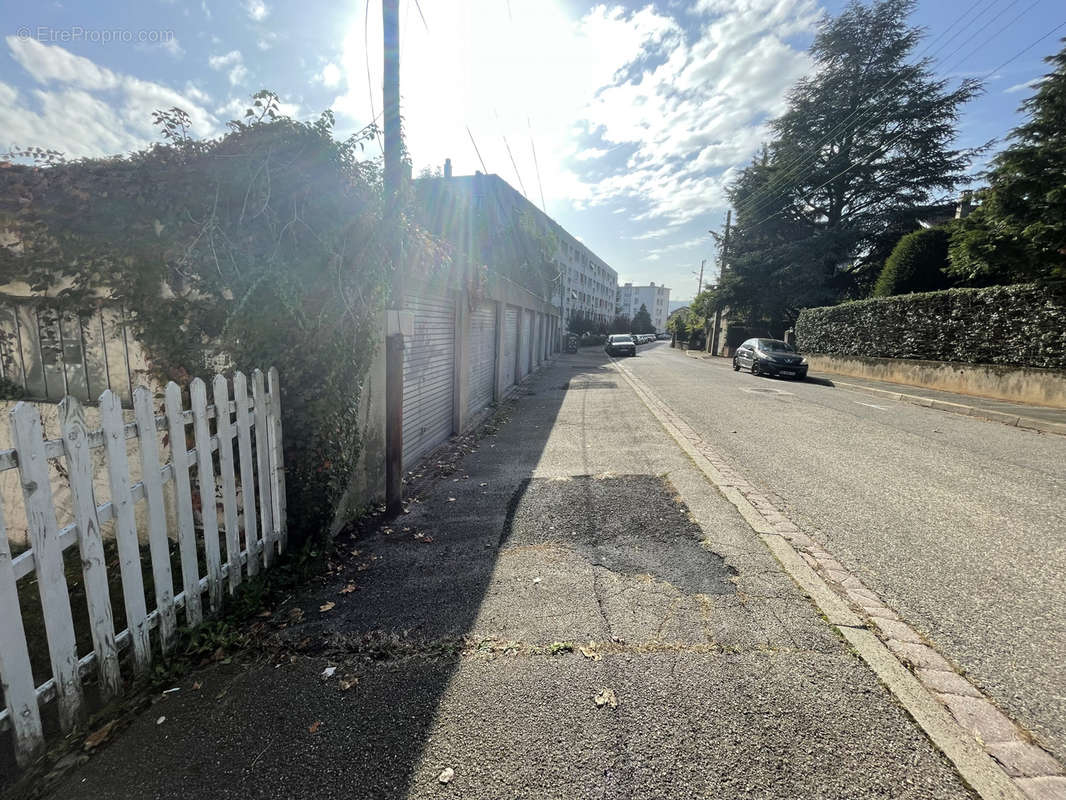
(425,539)
(328,673)
(348,683)
(606,697)
(590,653)
(265,613)
(446,775)
(351,587)
(197,685)
(329,605)
(314,726)
(97,738)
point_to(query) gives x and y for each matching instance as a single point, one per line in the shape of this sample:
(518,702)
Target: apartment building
(585,284)
(655,298)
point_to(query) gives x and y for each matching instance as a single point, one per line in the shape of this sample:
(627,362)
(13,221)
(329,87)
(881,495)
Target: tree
(642,321)
(916,264)
(620,324)
(867,134)
(1019,231)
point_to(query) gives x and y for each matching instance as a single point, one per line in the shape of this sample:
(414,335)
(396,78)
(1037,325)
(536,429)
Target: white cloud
(234,62)
(257,10)
(1021,87)
(267,40)
(85,109)
(330,75)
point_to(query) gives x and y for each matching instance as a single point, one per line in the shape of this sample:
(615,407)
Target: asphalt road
(957,523)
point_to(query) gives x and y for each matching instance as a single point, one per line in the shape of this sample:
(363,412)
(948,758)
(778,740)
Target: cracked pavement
(576,549)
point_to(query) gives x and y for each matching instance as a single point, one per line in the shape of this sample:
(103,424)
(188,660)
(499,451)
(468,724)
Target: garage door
(510,346)
(482,356)
(527,345)
(428,375)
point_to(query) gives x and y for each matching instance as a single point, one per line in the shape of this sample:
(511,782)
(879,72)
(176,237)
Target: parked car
(620,344)
(770,357)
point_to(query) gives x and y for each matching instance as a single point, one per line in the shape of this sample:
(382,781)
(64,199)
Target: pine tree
(869,133)
(1019,230)
(642,321)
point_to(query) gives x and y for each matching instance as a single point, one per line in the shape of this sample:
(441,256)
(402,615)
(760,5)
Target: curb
(1014,420)
(993,756)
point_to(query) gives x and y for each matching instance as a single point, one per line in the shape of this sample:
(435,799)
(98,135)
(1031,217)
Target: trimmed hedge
(1021,325)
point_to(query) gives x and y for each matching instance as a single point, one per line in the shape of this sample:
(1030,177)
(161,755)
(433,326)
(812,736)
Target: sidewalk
(1041,418)
(573,613)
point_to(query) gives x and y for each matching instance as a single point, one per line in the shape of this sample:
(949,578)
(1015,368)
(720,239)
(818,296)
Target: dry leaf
(265,613)
(314,726)
(425,539)
(97,738)
(446,775)
(351,587)
(590,653)
(606,697)
(197,685)
(348,683)
(329,605)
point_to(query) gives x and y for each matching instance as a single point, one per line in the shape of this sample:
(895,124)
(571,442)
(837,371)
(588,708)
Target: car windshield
(775,346)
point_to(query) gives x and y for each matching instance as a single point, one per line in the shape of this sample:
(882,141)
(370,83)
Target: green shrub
(916,264)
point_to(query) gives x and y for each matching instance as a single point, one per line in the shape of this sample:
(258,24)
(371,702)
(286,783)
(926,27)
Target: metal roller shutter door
(428,375)
(538,338)
(527,356)
(482,356)
(510,346)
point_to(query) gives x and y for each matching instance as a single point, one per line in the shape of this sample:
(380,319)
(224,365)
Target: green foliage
(1021,325)
(916,264)
(620,324)
(867,135)
(583,324)
(264,247)
(1019,231)
(642,321)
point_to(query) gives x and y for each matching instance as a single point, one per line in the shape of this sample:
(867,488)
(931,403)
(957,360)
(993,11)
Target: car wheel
(736,366)
(754,367)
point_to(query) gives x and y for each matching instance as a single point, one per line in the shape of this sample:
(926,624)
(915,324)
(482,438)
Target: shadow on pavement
(404,601)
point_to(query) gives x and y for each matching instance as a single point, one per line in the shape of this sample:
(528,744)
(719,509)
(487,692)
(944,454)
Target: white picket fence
(225,554)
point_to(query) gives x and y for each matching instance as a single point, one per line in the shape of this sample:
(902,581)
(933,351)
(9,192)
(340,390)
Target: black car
(620,344)
(770,357)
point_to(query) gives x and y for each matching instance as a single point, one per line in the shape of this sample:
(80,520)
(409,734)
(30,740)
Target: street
(572,610)
(955,522)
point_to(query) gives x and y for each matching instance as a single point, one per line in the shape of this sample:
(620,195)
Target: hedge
(1021,325)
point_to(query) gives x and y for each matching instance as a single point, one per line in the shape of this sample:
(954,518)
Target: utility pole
(699,288)
(712,339)
(390,15)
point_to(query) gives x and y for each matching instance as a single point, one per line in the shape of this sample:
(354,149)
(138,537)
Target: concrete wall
(1044,387)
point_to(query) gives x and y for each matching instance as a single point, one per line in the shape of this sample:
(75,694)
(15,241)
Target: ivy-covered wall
(1021,325)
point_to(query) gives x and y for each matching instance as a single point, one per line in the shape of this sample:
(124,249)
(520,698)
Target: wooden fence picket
(158,542)
(48,559)
(277,460)
(262,447)
(244,444)
(129,548)
(248,436)
(179,462)
(90,543)
(16,675)
(205,478)
(224,431)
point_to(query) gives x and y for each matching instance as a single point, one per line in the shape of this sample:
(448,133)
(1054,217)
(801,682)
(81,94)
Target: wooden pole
(394,339)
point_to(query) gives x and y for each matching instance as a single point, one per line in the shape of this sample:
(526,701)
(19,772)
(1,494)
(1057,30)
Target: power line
(544,206)
(884,147)
(479,158)
(418,5)
(802,162)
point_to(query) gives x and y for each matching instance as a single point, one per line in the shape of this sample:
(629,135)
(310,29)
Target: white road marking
(871,405)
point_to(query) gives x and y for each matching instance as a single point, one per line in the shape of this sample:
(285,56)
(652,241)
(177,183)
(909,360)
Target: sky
(626,120)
